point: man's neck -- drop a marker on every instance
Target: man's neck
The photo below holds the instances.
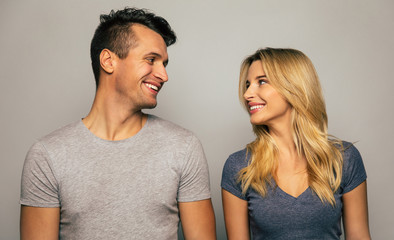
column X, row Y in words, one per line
column 110, row 120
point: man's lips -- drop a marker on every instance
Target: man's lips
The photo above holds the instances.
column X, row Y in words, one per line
column 255, row 107
column 153, row 86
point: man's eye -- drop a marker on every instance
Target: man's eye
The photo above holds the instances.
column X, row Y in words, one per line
column 151, row 60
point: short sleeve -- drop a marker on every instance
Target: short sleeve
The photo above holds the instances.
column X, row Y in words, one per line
column 353, row 168
column 233, row 165
column 194, row 180
column 39, row 187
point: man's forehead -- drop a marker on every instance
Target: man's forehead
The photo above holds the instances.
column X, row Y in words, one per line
column 149, row 40
column 142, row 32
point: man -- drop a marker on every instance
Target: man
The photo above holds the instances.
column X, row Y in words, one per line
column 119, row 173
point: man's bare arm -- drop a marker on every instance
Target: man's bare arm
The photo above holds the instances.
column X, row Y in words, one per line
column 198, row 220
column 39, row 223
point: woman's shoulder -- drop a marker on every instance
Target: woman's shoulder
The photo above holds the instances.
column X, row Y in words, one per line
column 239, row 154
column 353, row 167
column 234, row 163
column 350, row 153
column 237, row 160
column 349, row 150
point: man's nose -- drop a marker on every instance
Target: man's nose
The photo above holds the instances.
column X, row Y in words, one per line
column 161, row 72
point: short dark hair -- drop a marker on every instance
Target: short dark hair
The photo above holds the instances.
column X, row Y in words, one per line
column 114, row 33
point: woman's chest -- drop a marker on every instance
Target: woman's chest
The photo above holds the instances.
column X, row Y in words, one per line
column 279, row 211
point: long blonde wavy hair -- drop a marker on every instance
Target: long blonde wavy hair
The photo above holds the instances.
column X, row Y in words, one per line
column 293, row 75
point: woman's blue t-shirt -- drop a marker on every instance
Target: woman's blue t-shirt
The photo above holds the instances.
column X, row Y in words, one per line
column 279, row 215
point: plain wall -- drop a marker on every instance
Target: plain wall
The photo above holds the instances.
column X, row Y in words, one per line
column 47, row 82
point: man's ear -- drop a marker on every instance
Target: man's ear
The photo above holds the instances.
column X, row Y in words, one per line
column 107, row 61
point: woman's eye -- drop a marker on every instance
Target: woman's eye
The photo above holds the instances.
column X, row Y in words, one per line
column 262, row 82
column 247, row 84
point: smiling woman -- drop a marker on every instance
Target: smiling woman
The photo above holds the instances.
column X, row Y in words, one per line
column 266, row 105
column 293, row 181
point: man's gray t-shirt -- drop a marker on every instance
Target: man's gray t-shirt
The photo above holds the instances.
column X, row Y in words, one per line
column 127, row 189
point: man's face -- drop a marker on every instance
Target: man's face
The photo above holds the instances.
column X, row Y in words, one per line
column 140, row 76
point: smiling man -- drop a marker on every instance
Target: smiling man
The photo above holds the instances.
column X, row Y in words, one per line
column 119, row 173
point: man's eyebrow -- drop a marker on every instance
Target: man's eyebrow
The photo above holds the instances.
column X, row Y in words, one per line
column 154, row 53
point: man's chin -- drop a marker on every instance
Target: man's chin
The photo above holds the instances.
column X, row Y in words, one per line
column 150, row 106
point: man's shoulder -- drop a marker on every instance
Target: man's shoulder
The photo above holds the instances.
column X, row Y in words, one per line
column 57, row 142
column 61, row 134
column 163, row 131
column 167, row 128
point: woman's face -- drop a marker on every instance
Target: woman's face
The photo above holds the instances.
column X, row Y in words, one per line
column 266, row 105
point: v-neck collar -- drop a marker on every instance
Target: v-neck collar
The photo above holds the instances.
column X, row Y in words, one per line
column 288, row 196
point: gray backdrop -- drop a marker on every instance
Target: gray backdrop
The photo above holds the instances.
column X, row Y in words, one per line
column 47, row 82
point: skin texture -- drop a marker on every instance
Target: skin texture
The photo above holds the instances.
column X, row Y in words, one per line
column 235, row 216
column 124, row 90
column 355, row 213
column 39, row 223
column 198, row 220
column 291, row 175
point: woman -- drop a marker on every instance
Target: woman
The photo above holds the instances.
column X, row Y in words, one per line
column 293, row 181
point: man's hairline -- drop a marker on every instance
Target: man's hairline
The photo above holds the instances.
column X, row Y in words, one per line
column 134, row 38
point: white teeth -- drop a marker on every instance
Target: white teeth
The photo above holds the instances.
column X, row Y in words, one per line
column 152, row 86
column 256, row 107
